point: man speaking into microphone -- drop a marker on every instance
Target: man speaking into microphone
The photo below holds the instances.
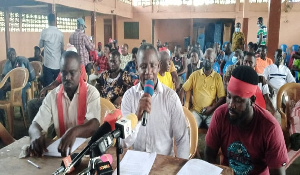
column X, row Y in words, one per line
column 163, row 111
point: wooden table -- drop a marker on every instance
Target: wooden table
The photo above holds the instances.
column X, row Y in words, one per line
column 11, row 164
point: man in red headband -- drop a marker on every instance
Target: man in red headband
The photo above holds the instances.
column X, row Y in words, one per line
column 250, row 138
column 71, row 117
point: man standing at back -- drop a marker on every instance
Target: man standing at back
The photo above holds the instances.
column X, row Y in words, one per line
column 52, row 40
column 83, row 45
column 261, row 33
column 238, row 38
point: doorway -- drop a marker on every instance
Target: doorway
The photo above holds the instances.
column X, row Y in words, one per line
column 107, row 30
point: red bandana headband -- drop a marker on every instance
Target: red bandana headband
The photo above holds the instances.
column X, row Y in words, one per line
column 81, row 109
column 241, row 88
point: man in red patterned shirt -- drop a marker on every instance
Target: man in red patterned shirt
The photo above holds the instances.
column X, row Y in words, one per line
column 83, row 45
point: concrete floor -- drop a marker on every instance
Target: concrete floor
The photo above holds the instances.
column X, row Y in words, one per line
column 21, row 131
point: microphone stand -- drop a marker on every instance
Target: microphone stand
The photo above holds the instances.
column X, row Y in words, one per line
column 119, row 150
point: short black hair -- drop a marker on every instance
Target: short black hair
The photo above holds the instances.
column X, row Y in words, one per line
column 125, row 45
column 116, row 53
column 147, row 46
column 246, row 74
column 178, row 46
column 263, row 47
column 108, row 46
column 240, row 53
column 249, row 54
column 51, row 17
column 134, row 50
column 279, row 51
column 260, row 18
column 37, row 48
column 194, row 50
column 71, row 54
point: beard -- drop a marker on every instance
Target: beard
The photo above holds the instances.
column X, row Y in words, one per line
column 207, row 65
column 239, row 118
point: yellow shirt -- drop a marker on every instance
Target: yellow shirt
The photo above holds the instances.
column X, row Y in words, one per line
column 172, row 67
column 205, row 88
column 166, row 80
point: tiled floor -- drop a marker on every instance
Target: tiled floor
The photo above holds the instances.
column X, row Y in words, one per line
column 20, row 131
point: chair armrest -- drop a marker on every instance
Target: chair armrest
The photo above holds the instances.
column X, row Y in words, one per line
column 187, row 99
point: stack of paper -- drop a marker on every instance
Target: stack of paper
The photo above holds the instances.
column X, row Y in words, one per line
column 136, row 163
column 197, row 166
column 53, row 151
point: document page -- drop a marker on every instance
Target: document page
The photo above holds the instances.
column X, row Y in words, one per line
column 136, row 163
column 52, row 148
column 197, row 166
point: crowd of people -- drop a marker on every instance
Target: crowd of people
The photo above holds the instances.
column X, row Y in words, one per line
column 230, row 90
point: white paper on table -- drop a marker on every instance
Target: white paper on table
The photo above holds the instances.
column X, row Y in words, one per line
column 197, row 166
column 136, row 163
column 53, row 151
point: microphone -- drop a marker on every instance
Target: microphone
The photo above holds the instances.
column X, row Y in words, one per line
column 66, row 162
column 149, row 88
column 105, row 158
column 124, row 128
column 108, row 125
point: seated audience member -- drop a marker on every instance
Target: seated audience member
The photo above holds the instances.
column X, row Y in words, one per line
column 14, row 61
column 37, row 55
column 164, row 66
column 207, row 87
column 180, row 64
column 71, row 117
column 131, row 66
column 262, row 61
column 236, row 60
column 34, row 104
column 166, row 120
column 252, row 47
column 219, row 53
column 101, row 64
column 198, row 47
column 100, row 52
column 262, row 93
column 125, row 56
column 188, row 54
column 227, row 57
column 195, row 63
column 250, row 138
column 113, row 83
column 278, row 74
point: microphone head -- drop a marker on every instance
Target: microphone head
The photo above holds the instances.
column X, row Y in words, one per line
column 112, row 117
column 149, row 87
column 133, row 118
column 106, row 158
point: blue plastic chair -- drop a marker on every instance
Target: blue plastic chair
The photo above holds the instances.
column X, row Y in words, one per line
column 228, row 63
column 216, row 67
column 295, row 48
column 296, row 77
column 284, row 47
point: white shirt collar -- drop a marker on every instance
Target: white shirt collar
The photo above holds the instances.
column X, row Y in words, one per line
column 158, row 89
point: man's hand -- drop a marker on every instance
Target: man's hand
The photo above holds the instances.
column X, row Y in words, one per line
column 67, row 141
column 38, row 146
column 208, row 110
column 117, row 102
column 43, row 92
column 144, row 105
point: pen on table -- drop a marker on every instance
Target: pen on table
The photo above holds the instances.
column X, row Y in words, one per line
column 33, row 164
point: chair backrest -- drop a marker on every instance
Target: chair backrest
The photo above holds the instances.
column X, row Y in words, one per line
column 287, row 94
column 216, row 67
column 295, row 48
column 38, row 67
column 2, row 63
column 18, row 80
column 193, row 131
column 283, row 47
column 5, row 136
column 106, row 105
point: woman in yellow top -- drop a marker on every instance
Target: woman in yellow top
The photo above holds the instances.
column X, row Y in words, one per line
column 164, row 76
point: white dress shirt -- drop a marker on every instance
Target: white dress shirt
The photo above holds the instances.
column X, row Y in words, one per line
column 48, row 113
column 52, row 40
column 165, row 122
column 278, row 76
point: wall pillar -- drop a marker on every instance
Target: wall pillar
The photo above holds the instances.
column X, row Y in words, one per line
column 273, row 27
column 7, row 32
column 245, row 31
column 94, row 26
